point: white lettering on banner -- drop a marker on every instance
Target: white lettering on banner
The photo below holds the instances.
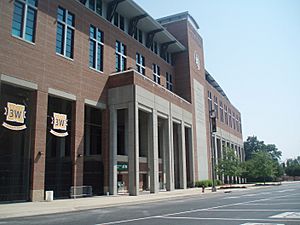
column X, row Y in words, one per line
column 15, row 113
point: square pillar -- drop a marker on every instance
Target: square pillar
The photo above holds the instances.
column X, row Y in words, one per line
column 168, row 135
column 113, row 126
column 133, row 149
column 153, row 150
column 182, row 157
column 39, row 152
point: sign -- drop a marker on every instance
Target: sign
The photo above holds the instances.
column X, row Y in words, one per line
column 14, row 113
column 197, row 60
column 122, row 167
column 60, row 123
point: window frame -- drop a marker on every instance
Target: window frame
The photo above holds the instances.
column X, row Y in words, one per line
column 122, row 56
column 169, row 81
column 97, row 44
column 65, row 32
column 156, row 73
column 26, row 6
column 140, row 63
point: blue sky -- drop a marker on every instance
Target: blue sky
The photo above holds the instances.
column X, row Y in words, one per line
column 252, row 48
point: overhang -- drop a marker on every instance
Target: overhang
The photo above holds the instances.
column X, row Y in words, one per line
column 130, row 9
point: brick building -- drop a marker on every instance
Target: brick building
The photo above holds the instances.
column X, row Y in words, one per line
column 98, row 93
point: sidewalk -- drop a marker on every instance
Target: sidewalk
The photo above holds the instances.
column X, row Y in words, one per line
column 12, row 210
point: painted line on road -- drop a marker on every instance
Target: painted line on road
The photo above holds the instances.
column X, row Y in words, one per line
column 227, row 219
column 286, row 190
column 281, row 203
column 289, row 215
column 250, row 210
column 189, row 211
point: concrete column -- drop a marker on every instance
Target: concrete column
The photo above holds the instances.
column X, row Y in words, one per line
column 222, row 153
column 133, row 149
column 169, row 156
column 182, row 157
column 216, row 156
column 39, row 154
column 113, row 190
column 153, row 139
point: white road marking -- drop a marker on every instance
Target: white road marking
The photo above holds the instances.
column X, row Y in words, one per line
column 249, row 210
column 262, row 224
column 286, row 190
column 289, row 215
column 249, row 195
column 281, row 203
column 232, row 197
column 224, row 219
column 195, row 210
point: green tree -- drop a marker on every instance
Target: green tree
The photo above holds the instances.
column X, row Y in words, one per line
column 261, row 165
column 229, row 165
column 251, row 146
column 293, row 167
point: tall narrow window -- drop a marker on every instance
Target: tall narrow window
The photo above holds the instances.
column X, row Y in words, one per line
column 120, row 56
column 233, row 119
column 65, row 32
column 209, row 100
column 169, row 81
column 119, row 21
column 138, row 35
column 229, row 118
column 216, row 106
column 221, row 112
column 156, row 73
column 154, row 47
column 24, row 19
column 96, row 48
column 226, row 115
column 140, row 63
column 95, row 5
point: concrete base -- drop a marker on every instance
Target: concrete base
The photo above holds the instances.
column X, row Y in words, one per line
column 37, row 195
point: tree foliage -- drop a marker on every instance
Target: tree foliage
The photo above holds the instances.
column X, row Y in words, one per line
column 261, row 165
column 293, row 167
column 253, row 145
column 229, row 165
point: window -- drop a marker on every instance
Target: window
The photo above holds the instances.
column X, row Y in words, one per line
column 65, row 32
column 140, row 63
column 119, row 21
column 216, row 106
column 226, row 115
column 169, row 81
column 138, row 35
column 233, row 119
column 229, row 115
column 221, row 112
column 154, row 47
column 96, row 48
column 120, row 56
column 24, row 19
column 209, row 101
column 237, row 123
column 156, row 73
column 168, row 58
column 92, row 131
column 95, row 5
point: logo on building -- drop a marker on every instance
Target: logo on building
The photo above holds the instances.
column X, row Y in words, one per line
column 197, row 60
column 15, row 114
column 59, row 123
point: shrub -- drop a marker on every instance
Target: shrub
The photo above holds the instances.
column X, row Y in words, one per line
column 207, row 183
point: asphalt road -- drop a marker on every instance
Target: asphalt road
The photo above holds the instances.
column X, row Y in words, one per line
column 275, row 205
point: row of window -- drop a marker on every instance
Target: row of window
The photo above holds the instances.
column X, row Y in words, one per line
column 119, row 21
column 24, row 20
column 224, row 113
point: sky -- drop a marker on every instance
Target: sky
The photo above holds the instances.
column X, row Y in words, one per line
column 252, row 49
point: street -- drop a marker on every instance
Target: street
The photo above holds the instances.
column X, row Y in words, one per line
column 268, row 205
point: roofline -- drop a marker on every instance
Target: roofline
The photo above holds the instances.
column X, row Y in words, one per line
column 209, row 78
column 177, row 17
